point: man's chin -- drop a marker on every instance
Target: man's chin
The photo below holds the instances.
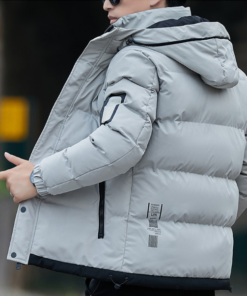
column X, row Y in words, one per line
column 113, row 21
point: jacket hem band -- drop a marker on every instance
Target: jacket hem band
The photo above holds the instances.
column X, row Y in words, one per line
column 178, row 283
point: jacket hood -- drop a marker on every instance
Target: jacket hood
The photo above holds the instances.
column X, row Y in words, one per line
column 202, row 46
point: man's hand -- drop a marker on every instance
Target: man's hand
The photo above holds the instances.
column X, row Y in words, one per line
column 18, row 179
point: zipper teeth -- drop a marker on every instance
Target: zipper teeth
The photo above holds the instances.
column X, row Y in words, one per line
column 101, row 209
column 101, row 199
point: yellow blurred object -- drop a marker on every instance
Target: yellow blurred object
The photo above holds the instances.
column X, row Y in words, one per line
column 14, row 119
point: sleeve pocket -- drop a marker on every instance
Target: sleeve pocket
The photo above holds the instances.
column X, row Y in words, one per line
column 110, row 107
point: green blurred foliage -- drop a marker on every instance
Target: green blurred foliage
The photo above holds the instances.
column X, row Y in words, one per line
column 3, row 188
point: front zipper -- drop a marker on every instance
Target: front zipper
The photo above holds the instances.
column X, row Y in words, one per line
column 101, row 209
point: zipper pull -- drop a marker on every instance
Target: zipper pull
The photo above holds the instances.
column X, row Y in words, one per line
column 118, row 286
column 130, row 40
column 18, row 266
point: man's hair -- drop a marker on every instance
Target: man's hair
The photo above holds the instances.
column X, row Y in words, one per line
column 171, row 3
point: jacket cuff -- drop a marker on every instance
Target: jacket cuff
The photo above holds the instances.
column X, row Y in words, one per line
column 38, row 181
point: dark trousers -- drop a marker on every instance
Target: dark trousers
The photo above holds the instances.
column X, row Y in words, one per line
column 101, row 288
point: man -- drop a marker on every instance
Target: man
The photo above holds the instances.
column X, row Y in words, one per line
column 140, row 171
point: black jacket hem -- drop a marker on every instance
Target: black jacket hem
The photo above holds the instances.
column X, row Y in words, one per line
column 178, row 283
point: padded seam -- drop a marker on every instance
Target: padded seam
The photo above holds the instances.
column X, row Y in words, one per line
column 183, row 222
column 233, row 180
column 238, row 128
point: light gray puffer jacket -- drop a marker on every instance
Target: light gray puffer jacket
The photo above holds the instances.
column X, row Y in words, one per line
column 141, row 167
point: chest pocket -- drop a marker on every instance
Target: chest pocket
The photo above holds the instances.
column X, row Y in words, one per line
column 110, row 107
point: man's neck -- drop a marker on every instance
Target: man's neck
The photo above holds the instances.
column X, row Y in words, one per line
column 161, row 4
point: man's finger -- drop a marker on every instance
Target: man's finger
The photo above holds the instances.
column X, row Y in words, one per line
column 16, row 200
column 7, row 186
column 14, row 159
column 3, row 175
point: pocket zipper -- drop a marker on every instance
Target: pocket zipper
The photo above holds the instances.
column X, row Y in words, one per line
column 101, row 231
column 101, row 209
column 101, row 199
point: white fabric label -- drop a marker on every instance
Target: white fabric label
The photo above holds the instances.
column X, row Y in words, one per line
column 109, row 108
column 154, row 230
column 153, row 214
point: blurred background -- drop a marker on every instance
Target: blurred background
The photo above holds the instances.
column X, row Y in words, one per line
column 39, row 44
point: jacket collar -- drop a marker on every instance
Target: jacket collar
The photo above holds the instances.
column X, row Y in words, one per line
column 144, row 19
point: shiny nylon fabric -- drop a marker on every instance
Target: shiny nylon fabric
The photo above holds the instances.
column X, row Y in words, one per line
column 177, row 140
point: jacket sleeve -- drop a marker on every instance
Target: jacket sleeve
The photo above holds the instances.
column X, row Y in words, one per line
column 130, row 100
column 242, row 185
